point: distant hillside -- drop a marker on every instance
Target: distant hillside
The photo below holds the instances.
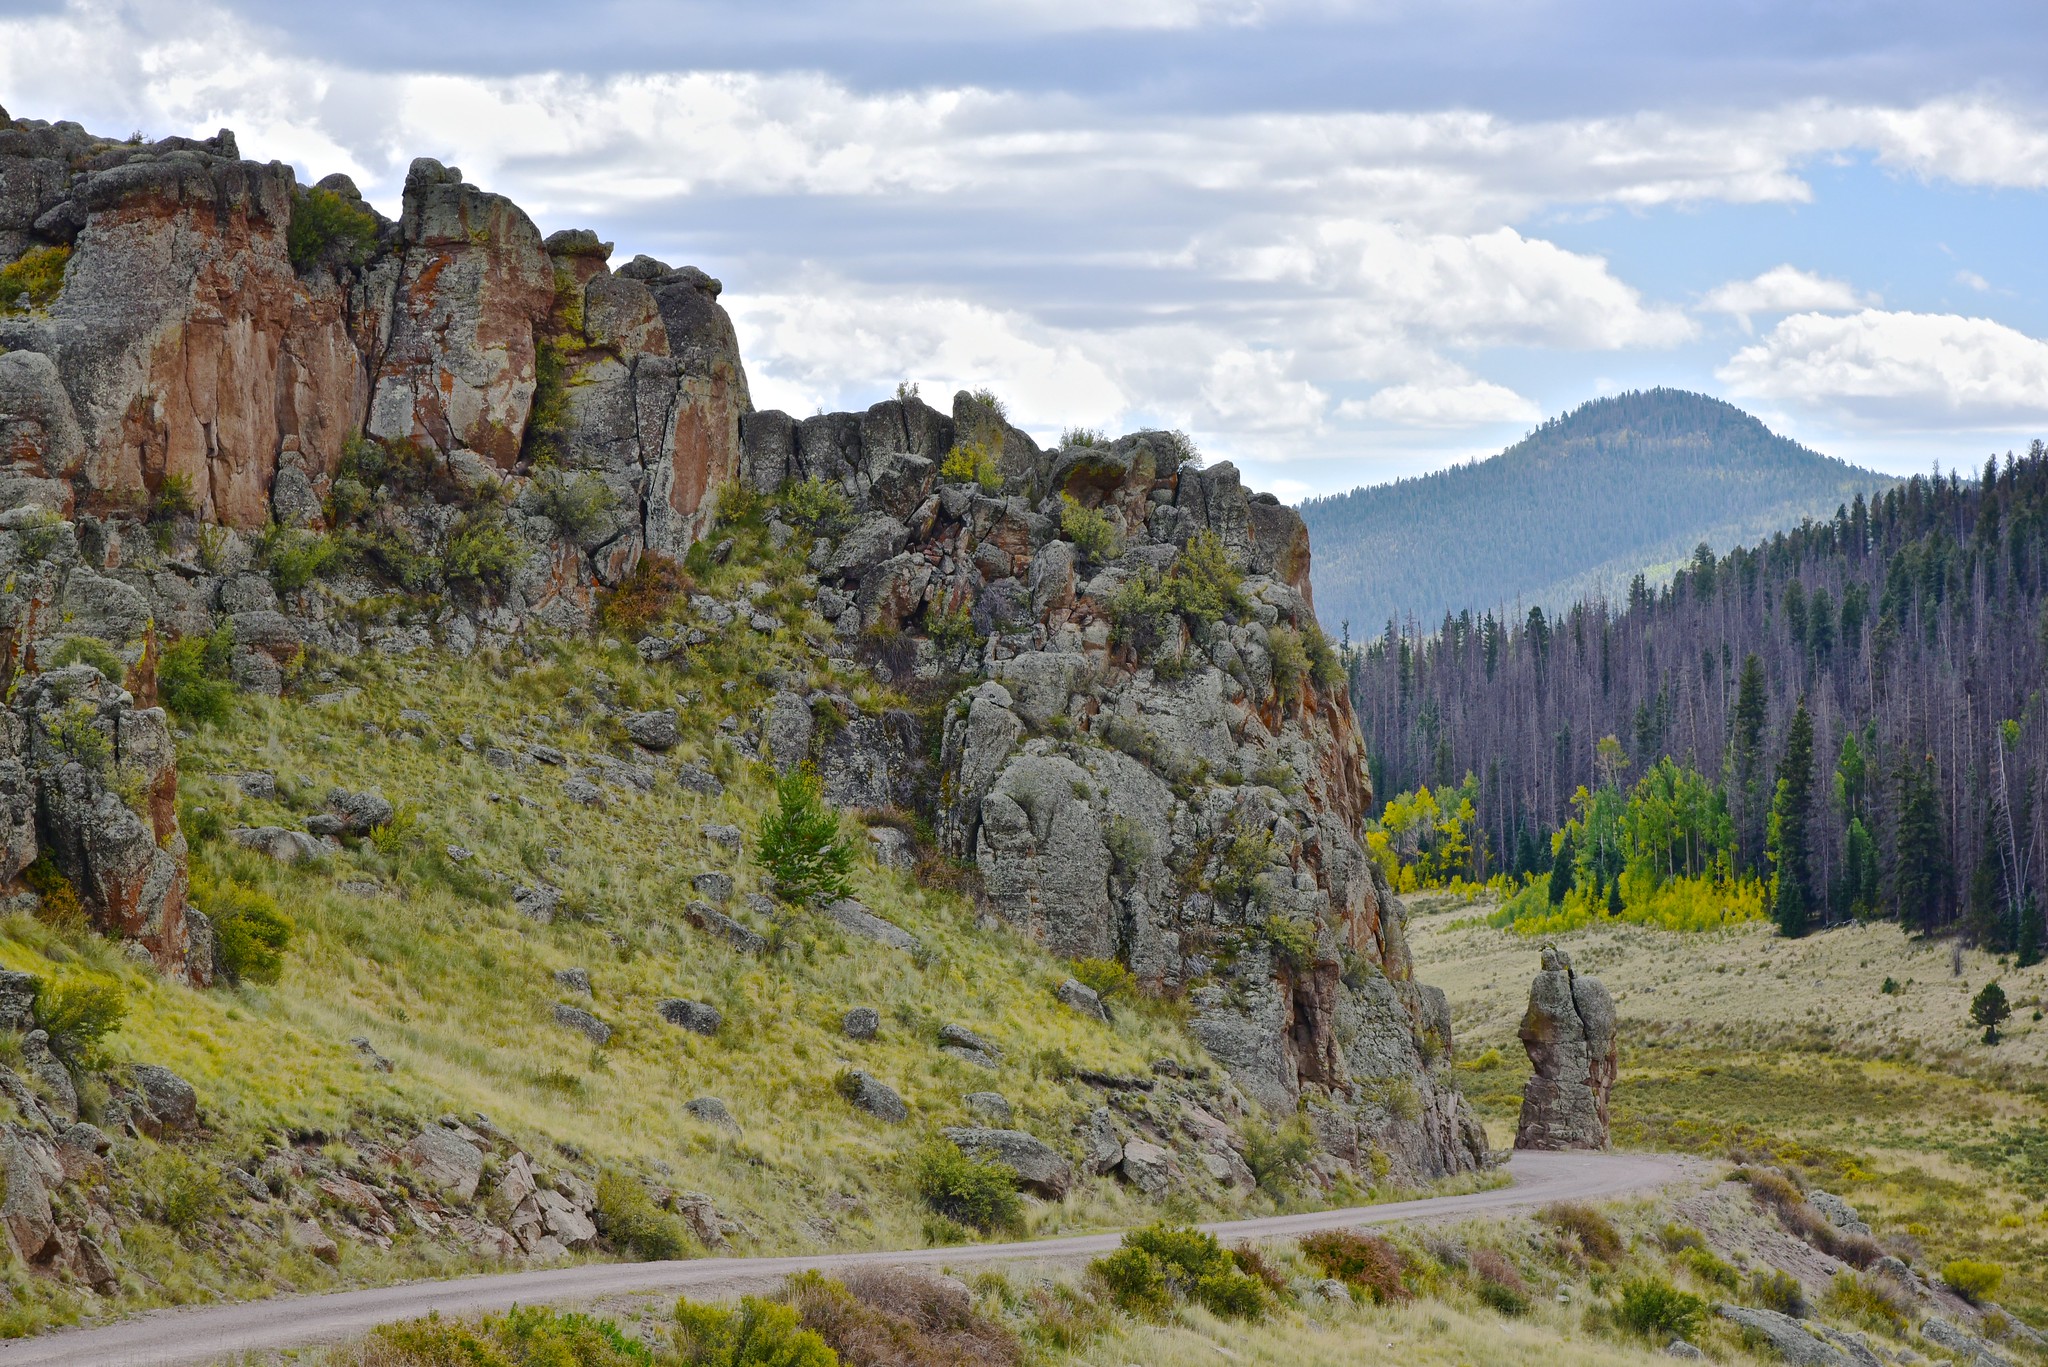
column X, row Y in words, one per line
column 1614, row 487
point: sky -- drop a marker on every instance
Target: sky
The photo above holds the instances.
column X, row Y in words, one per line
column 1335, row 241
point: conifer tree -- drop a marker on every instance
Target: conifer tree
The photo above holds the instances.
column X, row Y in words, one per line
column 801, row 847
column 1920, row 873
column 1561, row 871
column 1791, row 815
column 1746, row 750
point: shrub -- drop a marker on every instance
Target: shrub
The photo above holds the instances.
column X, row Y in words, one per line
column 580, row 505
column 38, row 273
column 1779, row 1291
column 643, row 597
column 1109, row 979
column 818, row 506
column 1325, row 665
column 173, row 499
column 1090, row 529
column 1253, row 1262
column 528, row 1336
column 75, row 732
column 329, row 229
column 192, row 677
column 1656, row 1309
column 629, row 1219
column 801, row 847
column 250, row 930
column 898, row 1317
column 56, row 899
column 295, row 557
column 1290, row 661
column 1595, row 1233
column 1702, row 1263
column 181, row 1191
column 90, row 650
column 1365, row 1262
column 973, row 1191
column 79, row 1012
column 1676, row 1238
column 1188, row 1262
column 1181, row 448
column 1205, row 583
column 1870, row 1301
column 1973, row 1280
column 1502, row 1300
column 760, row 1333
column 481, row 549
column 972, row 462
column 1134, row 1280
column 1491, row 1266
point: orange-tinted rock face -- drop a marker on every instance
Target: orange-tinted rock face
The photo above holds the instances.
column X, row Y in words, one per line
column 475, row 284
column 189, row 347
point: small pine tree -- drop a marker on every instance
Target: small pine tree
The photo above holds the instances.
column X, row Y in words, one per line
column 1990, row 1010
column 800, row 846
column 1561, row 871
column 1791, row 813
column 1614, row 898
column 1920, row 869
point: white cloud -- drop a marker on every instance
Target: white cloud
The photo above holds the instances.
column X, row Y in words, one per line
column 1783, row 289
column 1252, row 391
column 1972, row 280
column 834, row 344
column 1483, row 289
column 1874, row 367
column 1470, row 403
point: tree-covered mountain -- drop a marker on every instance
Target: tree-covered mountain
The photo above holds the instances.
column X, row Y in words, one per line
column 1617, row 486
column 1863, row 697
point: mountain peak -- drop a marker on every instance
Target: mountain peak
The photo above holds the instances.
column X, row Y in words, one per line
column 1619, row 485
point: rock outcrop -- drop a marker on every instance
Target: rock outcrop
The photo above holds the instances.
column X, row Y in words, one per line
column 1569, row 1033
column 1145, row 746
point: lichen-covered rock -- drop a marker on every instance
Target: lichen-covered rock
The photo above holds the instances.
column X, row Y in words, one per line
column 700, row 1018
column 866, row 1092
column 1569, row 1033
column 445, row 1161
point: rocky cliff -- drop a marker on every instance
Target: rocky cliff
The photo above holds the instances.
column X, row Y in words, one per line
column 240, row 409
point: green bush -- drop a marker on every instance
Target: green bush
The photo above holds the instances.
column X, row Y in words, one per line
column 1090, row 529
column 1325, row 665
column 250, row 930
column 973, row 1191
column 1975, row 1281
column 79, row 1012
column 800, row 846
column 1702, row 1263
column 75, row 732
column 38, row 273
column 1161, row 1260
column 1869, row 1301
column 580, row 505
column 1290, row 661
column 1779, row 1291
column 1109, row 979
column 90, row 650
column 329, row 229
column 1365, row 1262
column 1504, row 1300
column 526, row 1336
column 295, row 557
column 1597, row 1236
column 481, row 549
column 644, row 597
column 760, row 1333
column 1081, row 436
column 972, row 462
column 1657, row 1310
column 181, row 1191
column 629, row 1219
column 192, row 677
column 818, row 506
column 1135, row 1281
column 1277, row 1154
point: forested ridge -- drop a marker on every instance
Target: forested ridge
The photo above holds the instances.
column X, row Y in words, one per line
column 1585, row 501
column 1864, row 696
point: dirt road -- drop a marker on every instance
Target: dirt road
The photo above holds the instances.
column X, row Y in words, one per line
column 190, row 1338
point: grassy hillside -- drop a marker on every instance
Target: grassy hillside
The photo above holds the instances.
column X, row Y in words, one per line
column 412, row 941
column 1615, row 487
